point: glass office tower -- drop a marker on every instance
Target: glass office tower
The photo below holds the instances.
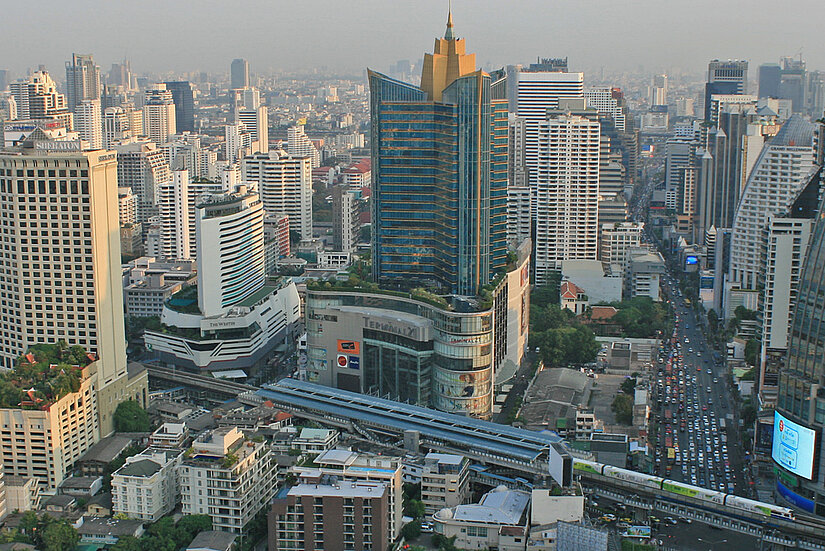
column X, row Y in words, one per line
column 439, row 175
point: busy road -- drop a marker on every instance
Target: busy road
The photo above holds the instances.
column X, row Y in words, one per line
column 697, row 439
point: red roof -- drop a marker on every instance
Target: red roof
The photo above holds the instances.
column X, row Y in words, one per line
column 570, row 290
column 602, row 312
column 282, row 416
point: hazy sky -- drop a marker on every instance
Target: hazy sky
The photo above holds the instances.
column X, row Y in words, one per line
column 188, row 35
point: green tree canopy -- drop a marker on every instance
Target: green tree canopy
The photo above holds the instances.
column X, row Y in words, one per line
column 131, row 417
column 622, row 406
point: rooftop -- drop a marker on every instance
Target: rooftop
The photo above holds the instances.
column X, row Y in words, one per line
column 498, row 506
column 109, row 527
column 45, row 374
column 212, row 540
column 341, row 489
column 107, row 449
column 141, row 468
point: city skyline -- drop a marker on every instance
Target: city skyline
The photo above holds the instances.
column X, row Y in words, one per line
column 594, row 35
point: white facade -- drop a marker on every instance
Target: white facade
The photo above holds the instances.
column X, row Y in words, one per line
column 536, row 92
column 518, row 215
column 228, row 478
column 299, row 145
column 787, row 242
column 230, row 251
column 618, row 239
column 782, row 169
column 566, row 191
column 284, row 183
column 238, row 142
column 174, row 217
column 601, row 98
column 256, row 121
column 146, row 486
column 117, row 127
column 142, row 166
column 444, row 481
column 88, row 122
column 126, row 206
column 159, row 115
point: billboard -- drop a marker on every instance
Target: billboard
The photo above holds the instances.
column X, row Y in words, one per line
column 349, row 347
column 793, row 446
column 637, row 532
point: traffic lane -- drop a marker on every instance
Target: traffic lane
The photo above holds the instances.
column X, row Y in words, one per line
column 701, row 537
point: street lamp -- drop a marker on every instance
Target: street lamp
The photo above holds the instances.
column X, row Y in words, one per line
column 711, row 543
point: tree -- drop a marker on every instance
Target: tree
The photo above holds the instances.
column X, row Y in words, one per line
column 59, row 536
column 131, row 417
column 752, row 348
column 127, row 543
column 622, row 406
column 411, row 530
column 193, row 524
column 629, row 386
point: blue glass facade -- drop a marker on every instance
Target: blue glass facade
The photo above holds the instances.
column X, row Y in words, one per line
column 439, row 183
column 802, row 382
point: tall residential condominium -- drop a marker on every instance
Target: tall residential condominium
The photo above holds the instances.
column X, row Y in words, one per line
column 178, row 204
column 298, row 144
column 800, row 407
column 256, row 122
column 116, row 127
column 82, row 80
column 725, row 77
column 69, row 266
column 567, row 188
column 284, row 183
column 159, row 114
column 345, row 213
column 778, row 175
column 88, row 122
column 439, row 174
column 184, row 100
column 142, row 167
column 36, row 97
column 608, row 102
column 239, row 74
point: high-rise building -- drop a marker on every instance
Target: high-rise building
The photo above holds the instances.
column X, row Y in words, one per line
column 284, row 183
column 617, row 240
column 159, row 114
column 82, row 80
column 604, row 100
column 184, row 100
column 146, row 487
column 116, row 127
column 345, row 223
column 793, row 82
column 75, row 278
column 174, row 217
column 778, row 175
column 239, row 73
column 256, row 122
column 770, row 74
column 142, row 166
column 658, row 90
column 800, row 407
column 567, row 188
column 237, row 142
column 535, row 93
column 298, row 144
column 439, row 174
column 36, row 97
column 725, row 77
column 88, row 122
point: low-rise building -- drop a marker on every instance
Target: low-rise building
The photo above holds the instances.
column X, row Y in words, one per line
column 146, row 297
column 108, row 531
column 444, row 481
column 146, row 487
column 22, row 493
column 81, row 486
column 498, row 521
column 169, row 435
column 321, row 513
column 315, row 440
column 94, row 461
column 645, row 269
column 228, row 478
column 573, row 297
column 212, row 540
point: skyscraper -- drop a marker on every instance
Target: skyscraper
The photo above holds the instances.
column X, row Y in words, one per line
column 284, row 183
column 142, row 167
column 88, row 122
column 800, row 408
column 159, row 114
column 725, row 77
column 298, row 144
column 82, row 80
column 567, row 188
column 769, row 77
column 239, row 73
column 74, row 276
column 184, row 100
column 439, row 174
column 36, row 97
